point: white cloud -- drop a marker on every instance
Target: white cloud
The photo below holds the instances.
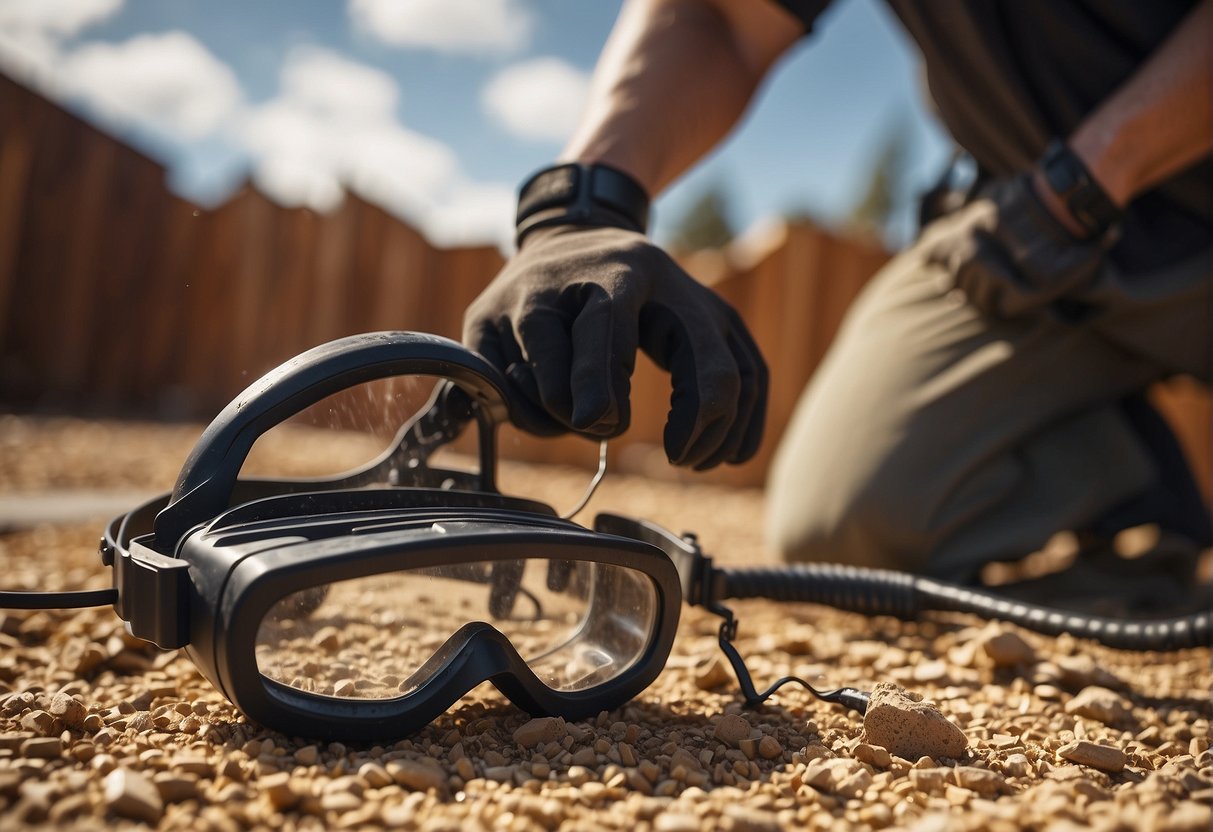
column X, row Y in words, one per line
column 460, row 26
column 328, row 84
column 32, row 34
column 55, row 17
column 333, row 125
column 474, row 213
column 168, row 82
column 537, row 99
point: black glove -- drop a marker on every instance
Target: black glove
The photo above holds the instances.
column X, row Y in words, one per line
column 565, row 316
column 1010, row 255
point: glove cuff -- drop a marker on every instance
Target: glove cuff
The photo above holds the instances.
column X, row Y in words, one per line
column 580, row 194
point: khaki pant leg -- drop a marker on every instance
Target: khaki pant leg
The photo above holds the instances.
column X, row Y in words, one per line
column 935, row 440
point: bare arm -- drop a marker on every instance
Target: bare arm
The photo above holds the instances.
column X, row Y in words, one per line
column 1159, row 122
column 674, row 78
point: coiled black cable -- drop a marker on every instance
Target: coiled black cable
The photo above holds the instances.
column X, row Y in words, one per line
column 884, row 592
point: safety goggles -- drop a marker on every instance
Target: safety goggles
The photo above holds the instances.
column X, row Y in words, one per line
column 330, row 608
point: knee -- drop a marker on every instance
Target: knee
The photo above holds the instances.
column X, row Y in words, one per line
column 830, row 518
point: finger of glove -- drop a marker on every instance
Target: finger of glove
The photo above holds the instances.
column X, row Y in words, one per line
column 950, row 241
column 1007, row 292
column 497, row 345
column 604, row 343
column 543, row 337
column 745, row 434
column 706, row 383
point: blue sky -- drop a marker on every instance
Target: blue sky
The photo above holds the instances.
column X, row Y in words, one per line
column 438, row 108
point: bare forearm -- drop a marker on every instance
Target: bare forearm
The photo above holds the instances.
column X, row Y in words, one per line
column 1161, row 120
column 674, row 78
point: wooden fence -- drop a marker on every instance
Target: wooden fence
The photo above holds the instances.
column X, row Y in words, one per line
column 118, row 297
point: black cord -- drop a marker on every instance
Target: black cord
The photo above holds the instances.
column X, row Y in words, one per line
column 884, row 592
column 58, row 600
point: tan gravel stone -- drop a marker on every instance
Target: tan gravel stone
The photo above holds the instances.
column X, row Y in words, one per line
column 174, row 788
column 983, row 781
column 41, row 723
column 1102, row 757
column 327, row 638
column 579, row 775
column 932, row 671
column 627, row 754
column 909, row 728
column 826, row 774
column 375, row 775
column 854, row 784
column 417, row 775
column 192, row 765
column 1096, row 702
column 279, row 790
column 1190, row 816
column 769, row 748
column 140, row 722
column 873, row 755
column 12, row 740
column 500, row 774
column 309, row 755
column 1006, row 648
column 676, row 822
column 585, row 757
column 1080, row 671
column 68, row 710
column 46, row 748
column 10, row 782
column 1017, row 765
column 929, row 779
column 744, row 819
column 540, row 731
column 340, row 802
column 131, row 795
column 712, row 674
column 732, row 728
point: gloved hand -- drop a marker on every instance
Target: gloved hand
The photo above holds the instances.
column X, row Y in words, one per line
column 565, row 316
column 1010, row 255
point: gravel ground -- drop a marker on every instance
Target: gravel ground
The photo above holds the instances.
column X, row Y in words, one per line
column 100, row 730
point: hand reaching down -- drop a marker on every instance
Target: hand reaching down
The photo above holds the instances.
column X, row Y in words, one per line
column 563, row 321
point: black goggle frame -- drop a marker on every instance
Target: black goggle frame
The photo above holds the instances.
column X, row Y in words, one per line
column 199, row 568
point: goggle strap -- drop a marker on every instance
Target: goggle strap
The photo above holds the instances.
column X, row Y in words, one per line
column 856, row 700
column 77, row 599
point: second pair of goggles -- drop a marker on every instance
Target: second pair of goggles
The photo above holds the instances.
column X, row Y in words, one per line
column 363, row 607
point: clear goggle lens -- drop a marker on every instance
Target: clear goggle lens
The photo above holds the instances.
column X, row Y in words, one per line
column 576, row 624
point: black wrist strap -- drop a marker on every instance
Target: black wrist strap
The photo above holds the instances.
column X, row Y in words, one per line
column 580, row 194
column 1069, row 178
